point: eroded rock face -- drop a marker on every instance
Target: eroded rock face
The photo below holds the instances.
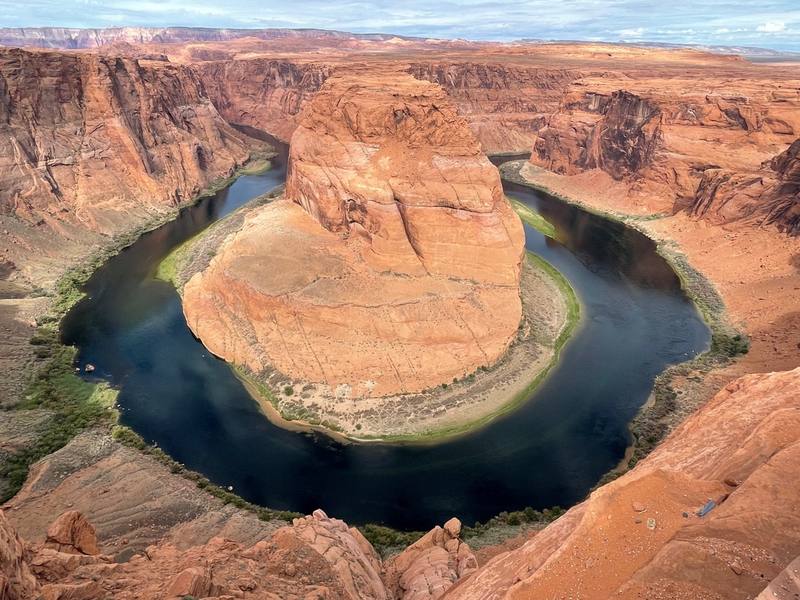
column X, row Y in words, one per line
column 770, row 195
column 641, row 537
column 431, row 565
column 392, row 266
column 622, row 141
column 73, row 534
column 16, row 580
column 263, row 93
column 93, row 146
column 314, row 558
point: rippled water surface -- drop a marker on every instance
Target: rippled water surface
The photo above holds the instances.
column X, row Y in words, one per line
column 635, row 321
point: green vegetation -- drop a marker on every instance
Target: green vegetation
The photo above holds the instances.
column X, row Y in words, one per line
column 526, row 516
column 533, row 218
column 387, row 540
column 257, row 166
column 170, row 266
column 75, row 406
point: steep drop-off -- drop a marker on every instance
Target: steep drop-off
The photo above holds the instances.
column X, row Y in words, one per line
column 392, row 265
column 638, row 537
column 93, row 146
column 673, row 141
column 641, row 536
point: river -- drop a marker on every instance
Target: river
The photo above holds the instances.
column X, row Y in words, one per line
column 635, row 321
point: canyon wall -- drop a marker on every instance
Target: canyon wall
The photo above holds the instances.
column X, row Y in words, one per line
column 768, row 196
column 93, row 145
column 392, row 266
column 264, row 93
column 505, row 105
column 678, row 142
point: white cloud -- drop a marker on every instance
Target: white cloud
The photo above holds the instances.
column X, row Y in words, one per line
column 772, row 27
column 636, row 32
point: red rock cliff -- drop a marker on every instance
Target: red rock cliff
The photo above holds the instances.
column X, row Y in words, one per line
column 394, row 264
column 92, row 146
column 770, row 195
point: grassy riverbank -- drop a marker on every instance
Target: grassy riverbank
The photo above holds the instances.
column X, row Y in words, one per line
column 54, row 386
column 533, row 218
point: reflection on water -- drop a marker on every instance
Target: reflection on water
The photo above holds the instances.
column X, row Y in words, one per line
column 635, row 321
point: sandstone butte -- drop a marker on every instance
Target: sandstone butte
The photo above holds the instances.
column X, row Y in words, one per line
column 708, row 142
column 393, row 263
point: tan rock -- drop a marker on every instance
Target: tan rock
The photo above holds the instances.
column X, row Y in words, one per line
column 431, row 565
column 72, row 533
column 401, row 269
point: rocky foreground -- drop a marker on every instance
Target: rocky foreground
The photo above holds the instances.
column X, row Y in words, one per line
column 391, row 266
column 714, row 512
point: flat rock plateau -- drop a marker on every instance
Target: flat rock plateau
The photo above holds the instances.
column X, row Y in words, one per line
column 697, row 150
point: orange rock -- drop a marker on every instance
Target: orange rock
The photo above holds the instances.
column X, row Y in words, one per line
column 72, row 533
column 598, row 551
column 194, row 581
column 394, row 264
column 16, row 580
column 97, row 146
column 431, row 565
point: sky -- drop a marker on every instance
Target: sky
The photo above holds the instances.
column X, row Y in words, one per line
column 764, row 23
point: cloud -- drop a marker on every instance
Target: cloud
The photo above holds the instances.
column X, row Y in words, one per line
column 772, row 27
column 631, row 33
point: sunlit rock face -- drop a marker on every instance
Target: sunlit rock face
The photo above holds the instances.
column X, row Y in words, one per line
column 393, row 263
column 94, row 146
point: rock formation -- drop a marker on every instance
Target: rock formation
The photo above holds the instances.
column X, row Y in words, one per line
column 315, row 557
column 94, row 146
column 641, row 536
column 431, row 565
column 770, row 195
column 680, row 142
column 392, row 265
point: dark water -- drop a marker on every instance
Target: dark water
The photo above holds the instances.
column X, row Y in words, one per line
column 635, row 321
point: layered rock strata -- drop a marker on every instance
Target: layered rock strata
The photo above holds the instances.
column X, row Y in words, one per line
column 768, row 196
column 393, row 263
column 93, row 146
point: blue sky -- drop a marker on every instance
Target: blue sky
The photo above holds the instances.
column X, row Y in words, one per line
column 766, row 23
